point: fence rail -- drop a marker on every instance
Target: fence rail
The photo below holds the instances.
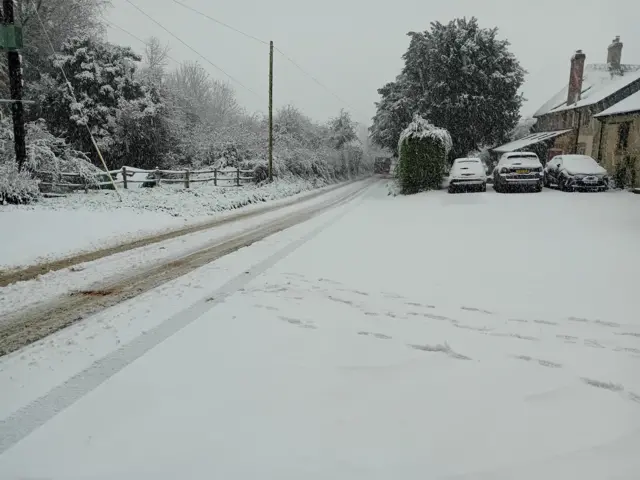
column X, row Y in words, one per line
column 236, row 177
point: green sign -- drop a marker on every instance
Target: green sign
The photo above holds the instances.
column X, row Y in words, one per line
column 10, row 37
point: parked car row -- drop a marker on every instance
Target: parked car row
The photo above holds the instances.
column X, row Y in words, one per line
column 524, row 170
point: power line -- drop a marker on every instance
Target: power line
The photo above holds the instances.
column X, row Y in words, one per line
column 144, row 42
column 288, row 58
column 313, row 78
column 191, row 48
column 219, row 22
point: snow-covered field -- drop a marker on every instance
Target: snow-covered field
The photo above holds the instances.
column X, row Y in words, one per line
column 58, row 227
column 472, row 336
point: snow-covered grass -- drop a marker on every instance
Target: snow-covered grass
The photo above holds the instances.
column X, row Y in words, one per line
column 58, row 227
column 350, row 347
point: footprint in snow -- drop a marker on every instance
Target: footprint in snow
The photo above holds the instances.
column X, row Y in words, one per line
column 446, row 349
column 614, row 387
column 628, row 349
column 545, row 322
column 474, row 309
column 541, row 362
column 516, row 335
column 593, row 343
column 416, row 304
column 380, row 336
column 475, row 329
column 297, row 322
column 568, row 338
column 578, row 319
column 607, row 324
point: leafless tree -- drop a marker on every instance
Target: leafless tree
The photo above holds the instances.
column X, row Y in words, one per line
column 155, row 56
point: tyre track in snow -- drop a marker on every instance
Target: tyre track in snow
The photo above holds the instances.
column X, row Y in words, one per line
column 21, row 328
column 35, row 414
column 7, row 277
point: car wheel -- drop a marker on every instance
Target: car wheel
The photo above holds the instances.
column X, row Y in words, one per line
column 496, row 186
column 538, row 187
column 546, row 181
column 452, row 189
column 483, row 188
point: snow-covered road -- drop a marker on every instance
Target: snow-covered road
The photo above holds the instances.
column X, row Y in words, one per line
column 477, row 336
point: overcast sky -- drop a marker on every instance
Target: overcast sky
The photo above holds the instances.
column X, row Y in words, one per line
column 355, row 46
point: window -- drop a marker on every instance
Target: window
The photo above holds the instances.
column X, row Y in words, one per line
column 623, row 136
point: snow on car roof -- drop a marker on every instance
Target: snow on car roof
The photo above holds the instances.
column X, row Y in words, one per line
column 578, row 161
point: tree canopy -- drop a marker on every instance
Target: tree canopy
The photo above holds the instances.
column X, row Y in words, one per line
column 458, row 76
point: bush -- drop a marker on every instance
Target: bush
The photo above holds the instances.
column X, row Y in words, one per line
column 16, row 187
column 423, row 151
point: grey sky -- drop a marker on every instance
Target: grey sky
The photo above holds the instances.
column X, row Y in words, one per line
column 355, row 46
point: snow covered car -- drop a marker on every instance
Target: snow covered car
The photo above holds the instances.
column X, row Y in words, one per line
column 518, row 169
column 571, row 172
column 467, row 173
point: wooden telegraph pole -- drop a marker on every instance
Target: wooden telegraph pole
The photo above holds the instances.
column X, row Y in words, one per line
column 11, row 40
column 271, row 111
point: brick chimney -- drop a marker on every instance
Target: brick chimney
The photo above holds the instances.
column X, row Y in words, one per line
column 614, row 54
column 575, row 77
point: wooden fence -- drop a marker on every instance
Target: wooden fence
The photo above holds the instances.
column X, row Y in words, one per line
column 155, row 177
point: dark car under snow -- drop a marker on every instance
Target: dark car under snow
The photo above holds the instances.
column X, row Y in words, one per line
column 575, row 172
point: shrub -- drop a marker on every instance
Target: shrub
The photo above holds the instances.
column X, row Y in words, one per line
column 16, row 187
column 423, row 150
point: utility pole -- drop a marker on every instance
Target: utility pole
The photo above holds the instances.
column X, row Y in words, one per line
column 270, row 111
column 12, row 41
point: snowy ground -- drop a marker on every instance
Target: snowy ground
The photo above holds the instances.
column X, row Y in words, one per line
column 58, row 227
column 476, row 336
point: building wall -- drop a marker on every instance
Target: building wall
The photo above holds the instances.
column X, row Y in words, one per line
column 612, row 154
column 582, row 123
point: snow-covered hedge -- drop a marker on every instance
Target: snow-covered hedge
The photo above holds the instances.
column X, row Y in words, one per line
column 45, row 153
column 423, row 150
column 16, row 187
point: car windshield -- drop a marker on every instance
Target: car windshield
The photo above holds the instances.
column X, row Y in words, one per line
column 525, row 160
column 579, row 162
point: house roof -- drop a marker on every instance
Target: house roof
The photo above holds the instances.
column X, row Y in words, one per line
column 630, row 104
column 530, row 139
column 597, row 84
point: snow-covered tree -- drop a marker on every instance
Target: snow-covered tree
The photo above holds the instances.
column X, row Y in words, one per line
column 63, row 19
column 522, row 129
column 393, row 113
column 46, row 153
column 423, row 150
column 155, row 61
column 342, row 130
column 102, row 76
column 459, row 76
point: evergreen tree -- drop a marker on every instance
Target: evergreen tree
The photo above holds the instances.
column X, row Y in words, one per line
column 106, row 91
column 458, row 76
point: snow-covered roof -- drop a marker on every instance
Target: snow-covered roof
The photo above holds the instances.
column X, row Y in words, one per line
column 530, row 139
column 597, row 84
column 628, row 105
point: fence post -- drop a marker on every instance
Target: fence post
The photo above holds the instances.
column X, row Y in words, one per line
column 238, row 176
column 124, row 177
column 215, row 177
column 186, row 179
column 157, row 175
